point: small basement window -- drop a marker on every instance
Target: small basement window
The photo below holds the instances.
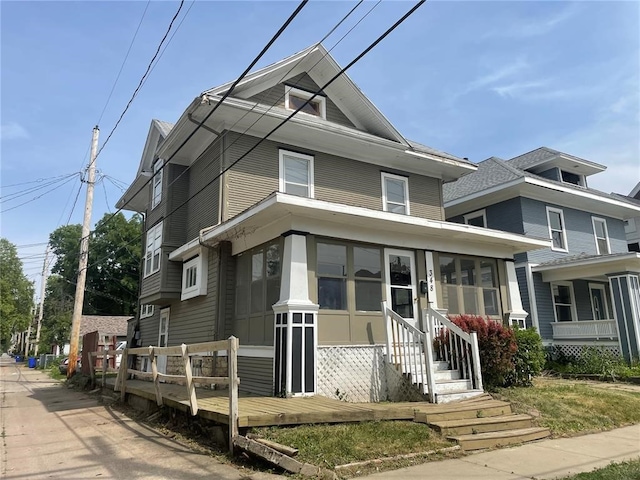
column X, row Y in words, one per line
column 295, row 98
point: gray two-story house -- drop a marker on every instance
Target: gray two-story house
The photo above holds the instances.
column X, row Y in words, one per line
column 584, row 288
column 291, row 242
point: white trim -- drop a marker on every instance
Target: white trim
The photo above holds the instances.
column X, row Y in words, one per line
column 601, row 287
column 432, row 293
column 414, row 296
column 156, row 183
column 310, row 168
column 253, row 351
column 201, row 265
column 563, row 229
column 606, row 234
column 146, row 310
column 533, row 302
column 477, row 214
column 303, row 94
column 165, row 312
column 405, row 184
column 574, row 313
column 153, row 246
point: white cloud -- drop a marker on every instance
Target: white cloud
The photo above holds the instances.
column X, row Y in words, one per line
column 12, row 131
column 493, row 76
column 527, row 28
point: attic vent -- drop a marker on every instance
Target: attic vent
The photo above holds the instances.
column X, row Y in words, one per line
column 296, row 98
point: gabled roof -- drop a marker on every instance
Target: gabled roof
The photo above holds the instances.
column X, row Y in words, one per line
column 497, row 180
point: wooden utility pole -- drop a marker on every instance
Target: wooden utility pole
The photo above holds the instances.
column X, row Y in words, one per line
column 84, row 258
column 43, row 286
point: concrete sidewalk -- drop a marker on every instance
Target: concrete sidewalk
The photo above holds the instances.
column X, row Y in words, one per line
column 546, row 459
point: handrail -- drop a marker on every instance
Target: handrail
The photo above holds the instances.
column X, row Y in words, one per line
column 455, row 346
column 409, row 350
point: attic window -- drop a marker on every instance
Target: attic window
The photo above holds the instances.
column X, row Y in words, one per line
column 296, row 98
column 573, row 178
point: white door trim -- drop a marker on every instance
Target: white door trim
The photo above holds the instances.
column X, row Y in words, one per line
column 388, row 252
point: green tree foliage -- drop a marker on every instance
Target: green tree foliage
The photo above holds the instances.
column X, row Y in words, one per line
column 112, row 276
column 16, row 294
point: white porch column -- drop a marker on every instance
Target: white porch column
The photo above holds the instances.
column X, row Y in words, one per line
column 517, row 314
column 625, row 294
column 296, row 318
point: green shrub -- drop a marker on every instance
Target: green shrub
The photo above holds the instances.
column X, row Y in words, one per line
column 593, row 361
column 497, row 345
column 529, row 358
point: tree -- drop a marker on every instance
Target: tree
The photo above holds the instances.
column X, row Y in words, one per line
column 16, row 294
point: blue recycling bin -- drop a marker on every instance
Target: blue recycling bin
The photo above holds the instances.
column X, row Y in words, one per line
column 18, row 358
column 32, row 362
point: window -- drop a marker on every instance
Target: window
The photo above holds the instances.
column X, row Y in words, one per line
column 557, row 232
column 296, row 173
column 154, row 247
column 395, row 193
column 469, row 285
column 477, row 219
column 563, row 306
column 146, row 311
column 599, row 304
column 602, row 236
column 294, row 98
column 194, row 276
column 156, row 195
column 349, row 277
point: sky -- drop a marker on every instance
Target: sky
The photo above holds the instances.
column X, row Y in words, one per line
column 475, row 79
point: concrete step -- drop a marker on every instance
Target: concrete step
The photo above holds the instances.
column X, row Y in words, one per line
column 483, row 425
column 500, row 439
column 451, row 386
column 489, row 408
column 456, row 396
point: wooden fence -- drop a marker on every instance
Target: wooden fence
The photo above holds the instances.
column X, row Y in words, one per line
column 106, row 356
column 188, row 379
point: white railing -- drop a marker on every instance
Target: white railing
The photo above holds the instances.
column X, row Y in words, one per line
column 455, row 346
column 585, row 329
column 410, row 351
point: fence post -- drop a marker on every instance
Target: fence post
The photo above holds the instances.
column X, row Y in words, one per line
column 123, row 361
column 125, row 374
column 475, row 352
column 154, row 372
column 191, row 389
column 387, row 329
column 428, row 352
column 232, row 358
column 105, row 366
column 92, row 371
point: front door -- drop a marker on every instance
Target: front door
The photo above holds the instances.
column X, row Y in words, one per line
column 161, row 360
column 401, row 284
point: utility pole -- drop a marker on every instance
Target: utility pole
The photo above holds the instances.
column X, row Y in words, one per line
column 84, row 258
column 45, row 268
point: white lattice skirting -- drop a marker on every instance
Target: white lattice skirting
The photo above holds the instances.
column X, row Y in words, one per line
column 575, row 350
column 359, row 373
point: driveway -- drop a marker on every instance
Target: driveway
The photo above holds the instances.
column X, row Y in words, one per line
column 50, row 431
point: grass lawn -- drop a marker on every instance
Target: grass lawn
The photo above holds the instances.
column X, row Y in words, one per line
column 569, row 408
column 616, row 471
column 331, row 445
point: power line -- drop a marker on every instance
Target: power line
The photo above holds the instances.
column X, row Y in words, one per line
column 29, row 245
column 39, row 180
column 27, row 191
column 36, row 197
column 75, row 202
column 277, row 127
column 144, row 76
column 124, row 61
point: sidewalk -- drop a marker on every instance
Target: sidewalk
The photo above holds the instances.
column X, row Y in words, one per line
column 546, row 459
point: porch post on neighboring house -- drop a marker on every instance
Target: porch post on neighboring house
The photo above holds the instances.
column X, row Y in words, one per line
column 517, row 314
column 296, row 319
column 625, row 293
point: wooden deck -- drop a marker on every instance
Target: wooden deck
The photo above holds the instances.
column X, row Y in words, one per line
column 256, row 411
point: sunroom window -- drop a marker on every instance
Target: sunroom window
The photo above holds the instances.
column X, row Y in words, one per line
column 563, row 305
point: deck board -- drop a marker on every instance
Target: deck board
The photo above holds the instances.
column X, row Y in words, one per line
column 257, row 411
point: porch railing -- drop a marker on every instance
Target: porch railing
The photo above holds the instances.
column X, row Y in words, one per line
column 454, row 345
column 410, row 351
column 586, row 329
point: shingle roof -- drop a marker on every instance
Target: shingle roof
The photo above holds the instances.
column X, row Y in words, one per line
column 164, row 127
column 108, row 325
column 433, row 151
column 539, row 155
column 579, row 258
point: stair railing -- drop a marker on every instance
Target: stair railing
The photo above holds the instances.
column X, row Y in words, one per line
column 454, row 345
column 409, row 350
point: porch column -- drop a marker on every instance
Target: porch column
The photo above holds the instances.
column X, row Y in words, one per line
column 517, row 314
column 296, row 336
column 625, row 293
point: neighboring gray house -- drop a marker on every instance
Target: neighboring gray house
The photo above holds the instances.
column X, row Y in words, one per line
column 632, row 225
column 292, row 243
column 584, row 289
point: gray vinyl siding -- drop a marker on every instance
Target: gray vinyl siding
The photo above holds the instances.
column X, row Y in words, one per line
column 521, row 275
column 544, row 304
column 551, row 174
column 227, row 289
column 204, row 206
column 582, row 299
column 358, row 184
column 175, row 195
column 149, row 329
column 150, row 285
column 579, row 230
column 275, row 96
column 256, row 375
column 195, row 320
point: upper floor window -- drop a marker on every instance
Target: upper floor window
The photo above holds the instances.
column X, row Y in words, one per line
column 156, row 194
column 602, row 236
column 563, row 304
column 296, row 173
column 194, row 276
column 557, row 230
column 478, row 219
column 153, row 249
column 294, row 98
column 573, row 178
column 146, row 310
column 395, row 193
